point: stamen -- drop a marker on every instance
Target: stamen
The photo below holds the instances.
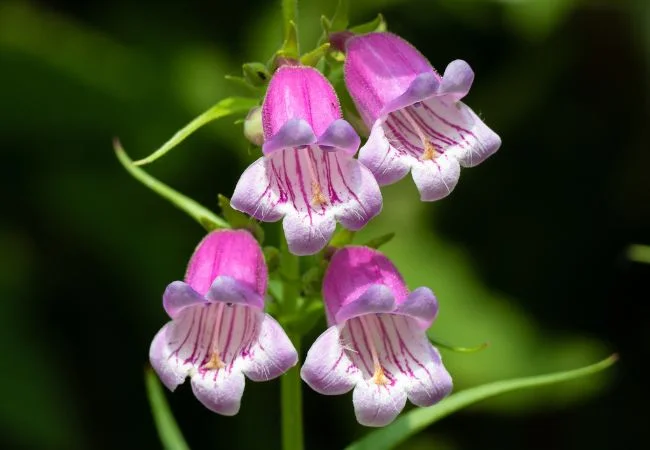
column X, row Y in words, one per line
column 317, row 196
column 215, row 361
column 378, row 377
column 429, row 150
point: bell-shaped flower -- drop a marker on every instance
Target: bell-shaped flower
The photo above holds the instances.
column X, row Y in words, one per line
column 308, row 174
column 416, row 118
column 377, row 342
column 219, row 331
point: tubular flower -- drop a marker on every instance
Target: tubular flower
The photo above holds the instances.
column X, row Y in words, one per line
column 307, row 174
column 219, row 332
column 377, row 342
column 417, row 121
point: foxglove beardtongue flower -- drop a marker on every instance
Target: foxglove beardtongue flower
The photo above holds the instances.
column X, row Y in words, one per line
column 416, row 118
column 308, row 174
column 377, row 341
column 219, row 332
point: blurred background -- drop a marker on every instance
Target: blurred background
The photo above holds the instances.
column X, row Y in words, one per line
column 528, row 253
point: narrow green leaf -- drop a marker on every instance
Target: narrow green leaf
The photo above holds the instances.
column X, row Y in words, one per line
column 418, row 419
column 313, row 57
column 242, row 82
column 326, row 25
column 224, row 108
column 454, row 348
column 201, row 214
column 639, row 253
column 289, row 18
column 290, row 48
column 168, row 431
column 340, row 19
column 377, row 24
column 380, row 240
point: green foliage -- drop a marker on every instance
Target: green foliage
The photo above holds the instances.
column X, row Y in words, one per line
column 206, row 218
column 418, row 419
column 380, row 240
column 225, row 107
column 168, row 431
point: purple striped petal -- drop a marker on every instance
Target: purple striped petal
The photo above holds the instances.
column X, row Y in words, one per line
column 435, row 179
column 294, row 133
column 229, row 290
column 271, row 354
column 386, row 357
column 423, row 86
column 422, row 305
column 377, row 405
column 457, row 80
column 178, row 296
column 233, row 253
column 328, row 368
column 416, row 119
column 384, row 160
column 311, row 188
column 379, row 68
column 431, row 138
column 215, row 344
column 299, row 92
column 378, row 298
column 340, row 135
column 352, row 271
column 220, row 392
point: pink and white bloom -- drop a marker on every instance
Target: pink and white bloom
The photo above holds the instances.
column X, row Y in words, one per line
column 219, row 331
column 376, row 343
column 416, row 118
column 308, row 174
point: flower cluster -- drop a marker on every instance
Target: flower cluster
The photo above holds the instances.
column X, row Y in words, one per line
column 308, row 176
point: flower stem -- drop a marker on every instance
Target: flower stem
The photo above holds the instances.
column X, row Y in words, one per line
column 292, row 434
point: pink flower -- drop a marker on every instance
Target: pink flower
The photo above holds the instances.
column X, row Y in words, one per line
column 308, row 175
column 377, row 342
column 219, row 331
column 417, row 121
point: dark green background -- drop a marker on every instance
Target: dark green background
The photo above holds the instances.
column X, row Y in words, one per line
column 528, row 253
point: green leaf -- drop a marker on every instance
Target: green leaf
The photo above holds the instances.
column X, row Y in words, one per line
column 224, row 108
column 168, row 431
column 313, row 57
column 457, row 349
column 201, row 214
column 289, row 19
column 377, row 24
column 639, row 253
column 242, row 82
column 340, row 19
column 237, row 219
column 380, row 240
column 290, row 48
column 418, row 419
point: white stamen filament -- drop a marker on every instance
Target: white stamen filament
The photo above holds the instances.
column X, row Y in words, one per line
column 378, row 377
column 429, row 150
column 317, row 196
column 215, row 361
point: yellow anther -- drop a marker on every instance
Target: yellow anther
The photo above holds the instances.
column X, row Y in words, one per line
column 215, row 362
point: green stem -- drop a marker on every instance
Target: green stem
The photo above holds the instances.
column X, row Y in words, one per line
column 292, row 434
column 291, row 385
